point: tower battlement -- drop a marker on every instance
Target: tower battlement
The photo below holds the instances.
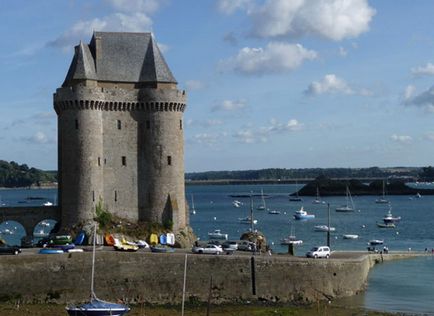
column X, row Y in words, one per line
column 120, row 133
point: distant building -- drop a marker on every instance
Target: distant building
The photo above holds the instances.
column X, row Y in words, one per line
column 120, row 133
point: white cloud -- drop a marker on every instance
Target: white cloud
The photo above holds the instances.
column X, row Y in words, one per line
column 207, row 138
column 331, row 19
column 424, row 100
column 427, row 70
column 194, row 85
column 329, row 84
column 262, row 134
column 404, row 139
column 276, row 57
column 230, row 6
column 205, row 123
column 229, row 105
column 130, row 16
column 38, row 138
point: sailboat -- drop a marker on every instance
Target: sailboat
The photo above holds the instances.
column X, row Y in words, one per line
column 96, row 306
column 291, row 239
column 262, row 207
column 295, row 198
column 349, row 206
column 317, row 198
column 382, row 200
column 193, row 210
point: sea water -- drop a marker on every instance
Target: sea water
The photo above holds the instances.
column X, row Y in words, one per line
column 402, row 286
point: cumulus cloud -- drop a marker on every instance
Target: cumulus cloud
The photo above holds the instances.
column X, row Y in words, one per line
column 427, row 70
column 329, row 84
column 424, row 100
column 331, row 19
column 230, row 6
column 194, row 85
column 131, row 16
column 229, row 105
column 403, row 139
column 205, row 123
column 262, row 134
column 276, row 57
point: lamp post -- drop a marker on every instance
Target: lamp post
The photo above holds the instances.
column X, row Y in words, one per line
column 328, row 224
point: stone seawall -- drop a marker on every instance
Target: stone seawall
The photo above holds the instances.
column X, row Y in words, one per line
column 158, row 278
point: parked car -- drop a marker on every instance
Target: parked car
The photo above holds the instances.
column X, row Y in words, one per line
column 9, row 250
column 230, row 245
column 319, row 252
column 246, row 245
column 43, row 242
column 208, row 249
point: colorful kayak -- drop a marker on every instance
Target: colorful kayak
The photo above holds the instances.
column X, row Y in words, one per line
column 153, row 239
column 50, row 251
column 109, row 240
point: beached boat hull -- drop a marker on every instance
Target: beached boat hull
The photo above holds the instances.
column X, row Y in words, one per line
column 98, row 307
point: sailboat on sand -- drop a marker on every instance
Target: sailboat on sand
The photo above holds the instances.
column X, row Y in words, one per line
column 96, row 306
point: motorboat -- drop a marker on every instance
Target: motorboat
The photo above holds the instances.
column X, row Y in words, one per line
column 324, row 228
column 302, row 214
column 217, row 234
column 237, row 203
column 350, row 236
column 349, row 206
column 374, row 242
column 48, row 203
column 247, row 220
column 388, row 218
column 96, row 306
column 386, row 225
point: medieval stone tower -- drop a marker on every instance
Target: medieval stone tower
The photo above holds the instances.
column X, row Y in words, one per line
column 120, row 133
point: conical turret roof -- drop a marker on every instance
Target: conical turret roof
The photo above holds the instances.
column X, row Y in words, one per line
column 120, row 57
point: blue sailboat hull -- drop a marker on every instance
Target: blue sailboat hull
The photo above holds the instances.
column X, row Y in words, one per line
column 97, row 307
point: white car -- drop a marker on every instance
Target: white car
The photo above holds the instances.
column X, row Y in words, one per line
column 319, row 252
column 208, row 249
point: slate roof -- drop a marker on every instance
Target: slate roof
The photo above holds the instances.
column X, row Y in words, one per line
column 120, row 57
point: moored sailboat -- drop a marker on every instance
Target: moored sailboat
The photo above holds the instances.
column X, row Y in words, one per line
column 382, row 199
column 349, row 206
column 96, row 306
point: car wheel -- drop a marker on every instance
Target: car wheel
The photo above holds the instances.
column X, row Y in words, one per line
column 327, row 256
column 200, row 252
column 15, row 252
column 315, row 256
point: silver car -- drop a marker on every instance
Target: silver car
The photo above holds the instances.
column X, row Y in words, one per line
column 319, row 252
column 208, row 249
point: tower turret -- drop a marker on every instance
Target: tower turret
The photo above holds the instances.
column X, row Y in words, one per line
column 120, row 132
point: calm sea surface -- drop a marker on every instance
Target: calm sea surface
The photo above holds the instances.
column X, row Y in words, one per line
column 401, row 286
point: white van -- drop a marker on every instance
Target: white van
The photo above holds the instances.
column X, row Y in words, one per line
column 319, row 252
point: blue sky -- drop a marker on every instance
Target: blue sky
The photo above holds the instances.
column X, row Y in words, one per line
column 270, row 83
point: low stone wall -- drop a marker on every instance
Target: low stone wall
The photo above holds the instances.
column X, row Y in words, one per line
column 158, row 278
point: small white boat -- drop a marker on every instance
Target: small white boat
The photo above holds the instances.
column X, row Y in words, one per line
column 48, row 203
column 350, row 236
column 324, row 228
column 302, row 214
column 417, row 196
column 247, row 220
column 388, row 218
column 237, row 203
column 386, row 225
column 374, row 242
column 273, row 212
column 217, row 234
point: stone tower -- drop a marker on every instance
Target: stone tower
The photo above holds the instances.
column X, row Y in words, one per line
column 120, row 133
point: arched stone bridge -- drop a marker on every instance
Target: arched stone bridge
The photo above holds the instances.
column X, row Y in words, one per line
column 29, row 217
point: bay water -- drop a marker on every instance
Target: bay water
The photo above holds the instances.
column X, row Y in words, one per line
column 400, row 286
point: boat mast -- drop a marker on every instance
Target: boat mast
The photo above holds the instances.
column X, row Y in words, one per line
column 251, row 212
column 92, row 292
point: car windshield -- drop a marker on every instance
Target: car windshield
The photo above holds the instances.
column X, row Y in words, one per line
column 314, row 249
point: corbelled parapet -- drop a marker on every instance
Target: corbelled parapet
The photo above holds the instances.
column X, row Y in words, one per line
column 120, row 119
